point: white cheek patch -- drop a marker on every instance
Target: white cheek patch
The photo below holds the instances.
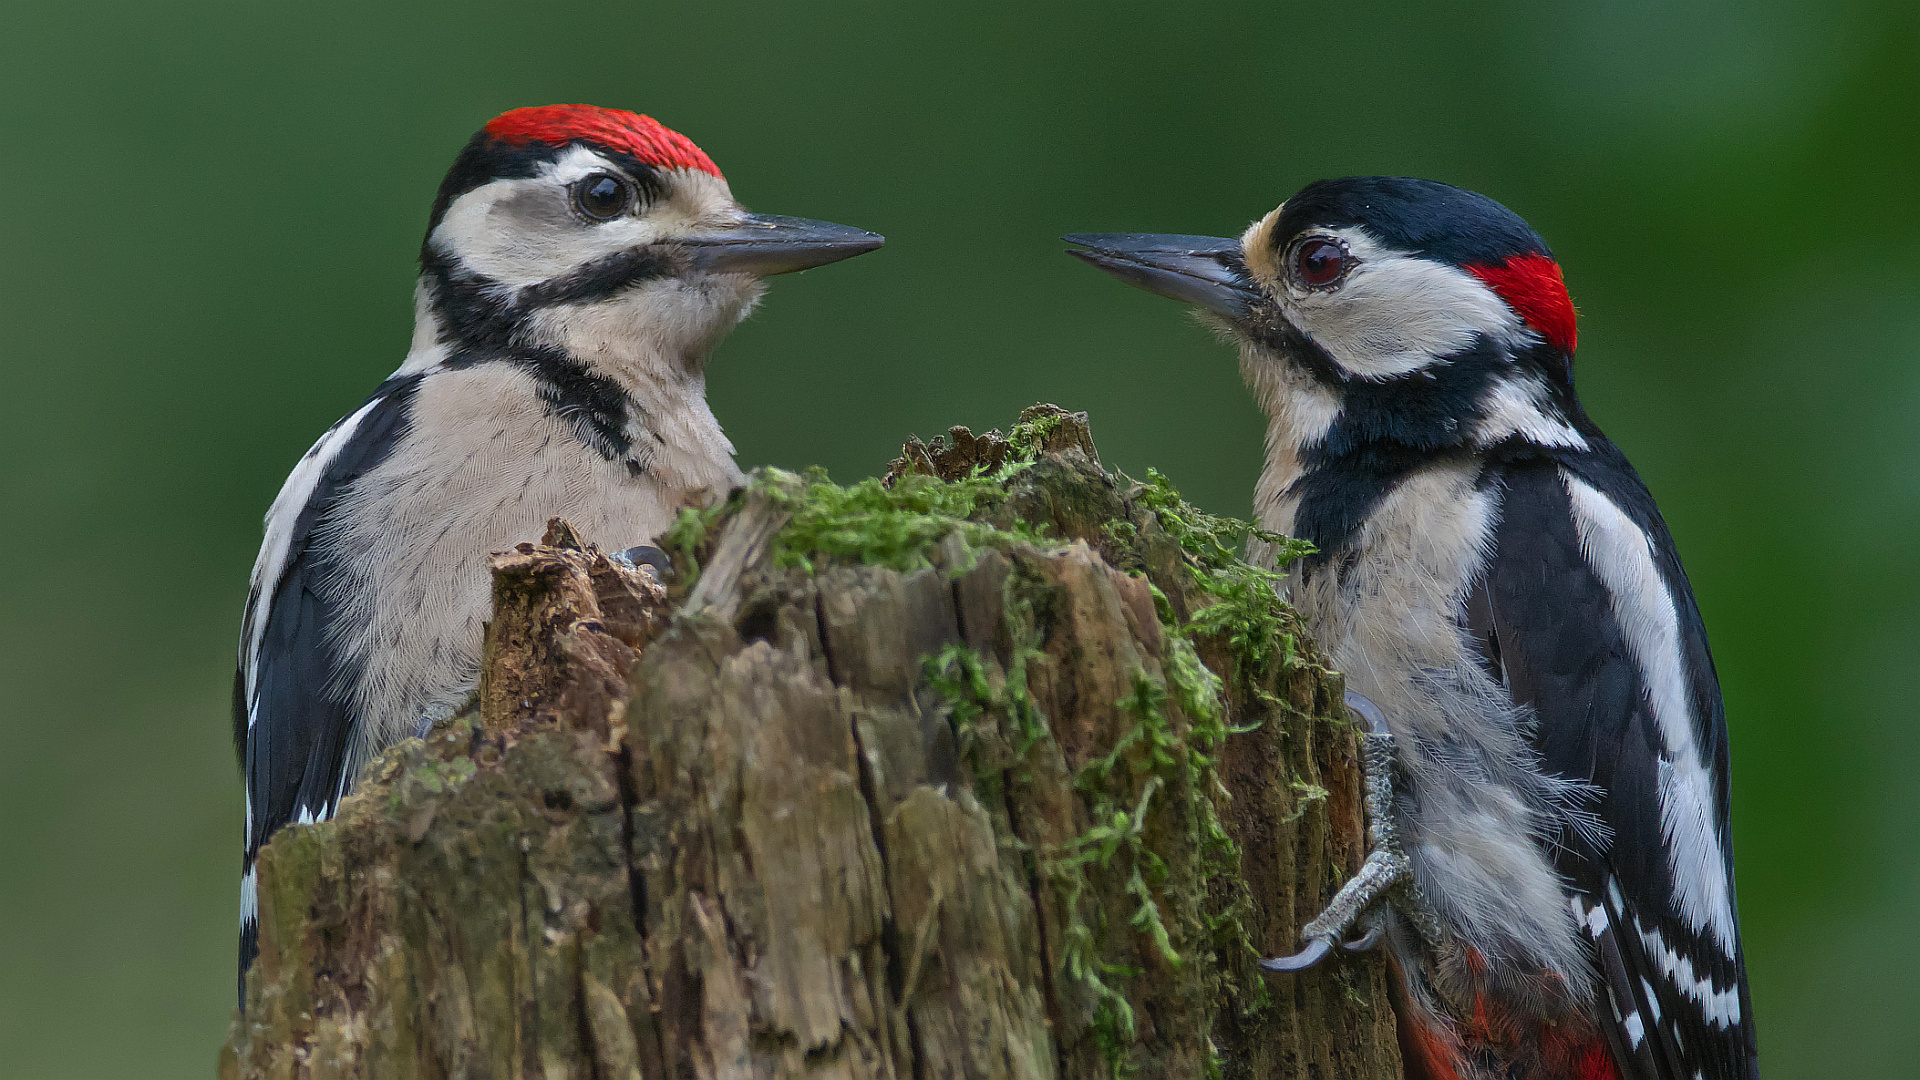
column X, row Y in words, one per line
column 520, row 232
column 491, row 232
column 1397, row 313
column 1620, row 554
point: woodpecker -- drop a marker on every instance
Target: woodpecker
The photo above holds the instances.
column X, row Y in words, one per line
column 579, row 267
column 1552, row 871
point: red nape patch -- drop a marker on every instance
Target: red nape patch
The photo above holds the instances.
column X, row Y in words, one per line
column 1533, row 286
column 630, row 133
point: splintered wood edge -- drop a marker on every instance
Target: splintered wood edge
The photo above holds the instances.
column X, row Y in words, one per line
column 742, row 546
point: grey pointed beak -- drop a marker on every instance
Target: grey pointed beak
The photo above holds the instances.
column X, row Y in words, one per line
column 1205, row 271
column 769, row 244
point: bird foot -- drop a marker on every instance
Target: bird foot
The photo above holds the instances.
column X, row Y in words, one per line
column 647, row 555
column 1385, row 873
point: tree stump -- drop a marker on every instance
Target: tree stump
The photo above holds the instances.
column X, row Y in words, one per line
column 1003, row 767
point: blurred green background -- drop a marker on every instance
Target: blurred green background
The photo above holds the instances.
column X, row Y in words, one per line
column 208, row 228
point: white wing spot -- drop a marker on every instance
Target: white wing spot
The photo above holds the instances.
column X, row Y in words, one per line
column 249, row 899
column 1591, row 919
column 1720, row 1007
column 1635, row 1029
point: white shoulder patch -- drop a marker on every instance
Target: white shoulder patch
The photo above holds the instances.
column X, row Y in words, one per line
column 281, row 517
column 1622, row 556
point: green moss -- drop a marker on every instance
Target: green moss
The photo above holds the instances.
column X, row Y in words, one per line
column 1160, row 772
column 1309, row 794
column 1028, row 436
column 974, row 690
column 433, row 770
column 997, row 725
column 443, row 776
column 874, row 525
column 685, row 541
column 1154, row 762
column 1246, row 612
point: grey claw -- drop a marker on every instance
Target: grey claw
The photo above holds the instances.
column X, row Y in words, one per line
column 1316, row 951
column 1386, row 867
column 1366, row 941
column 645, row 555
column 1376, row 720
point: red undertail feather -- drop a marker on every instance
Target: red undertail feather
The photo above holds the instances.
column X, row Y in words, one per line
column 1597, row 1064
column 1503, row 1042
column 1532, row 284
column 1428, row 1051
column 630, row 133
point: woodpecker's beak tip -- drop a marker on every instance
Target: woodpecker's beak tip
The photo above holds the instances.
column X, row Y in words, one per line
column 768, row 244
column 1205, row 271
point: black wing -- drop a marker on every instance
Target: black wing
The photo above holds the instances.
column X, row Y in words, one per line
column 291, row 715
column 1547, row 620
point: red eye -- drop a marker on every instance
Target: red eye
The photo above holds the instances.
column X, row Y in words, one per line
column 1319, row 262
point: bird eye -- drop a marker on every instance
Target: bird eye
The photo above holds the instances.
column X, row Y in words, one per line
column 603, row 196
column 1318, row 263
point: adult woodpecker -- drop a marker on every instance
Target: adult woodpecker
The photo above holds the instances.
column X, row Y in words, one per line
column 1495, row 581
column 579, row 267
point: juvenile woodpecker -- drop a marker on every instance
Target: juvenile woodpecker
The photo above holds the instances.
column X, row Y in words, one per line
column 579, row 267
column 1496, row 583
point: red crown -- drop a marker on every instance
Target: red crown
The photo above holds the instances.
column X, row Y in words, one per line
column 630, row 133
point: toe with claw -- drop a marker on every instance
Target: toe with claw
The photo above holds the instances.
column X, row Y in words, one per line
column 1385, row 872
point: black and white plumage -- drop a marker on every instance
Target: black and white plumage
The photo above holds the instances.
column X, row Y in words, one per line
column 1493, row 574
column 580, row 265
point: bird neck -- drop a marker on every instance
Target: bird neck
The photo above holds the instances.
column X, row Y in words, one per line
column 1300, row 412
column 1327, row 441
column 654, row 345
column 633, row 381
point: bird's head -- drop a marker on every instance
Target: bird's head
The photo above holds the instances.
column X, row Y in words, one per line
column 1412, row 311
column 570, row 220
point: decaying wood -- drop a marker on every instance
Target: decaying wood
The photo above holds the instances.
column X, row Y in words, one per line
column 762, row 834
column 960, row 453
